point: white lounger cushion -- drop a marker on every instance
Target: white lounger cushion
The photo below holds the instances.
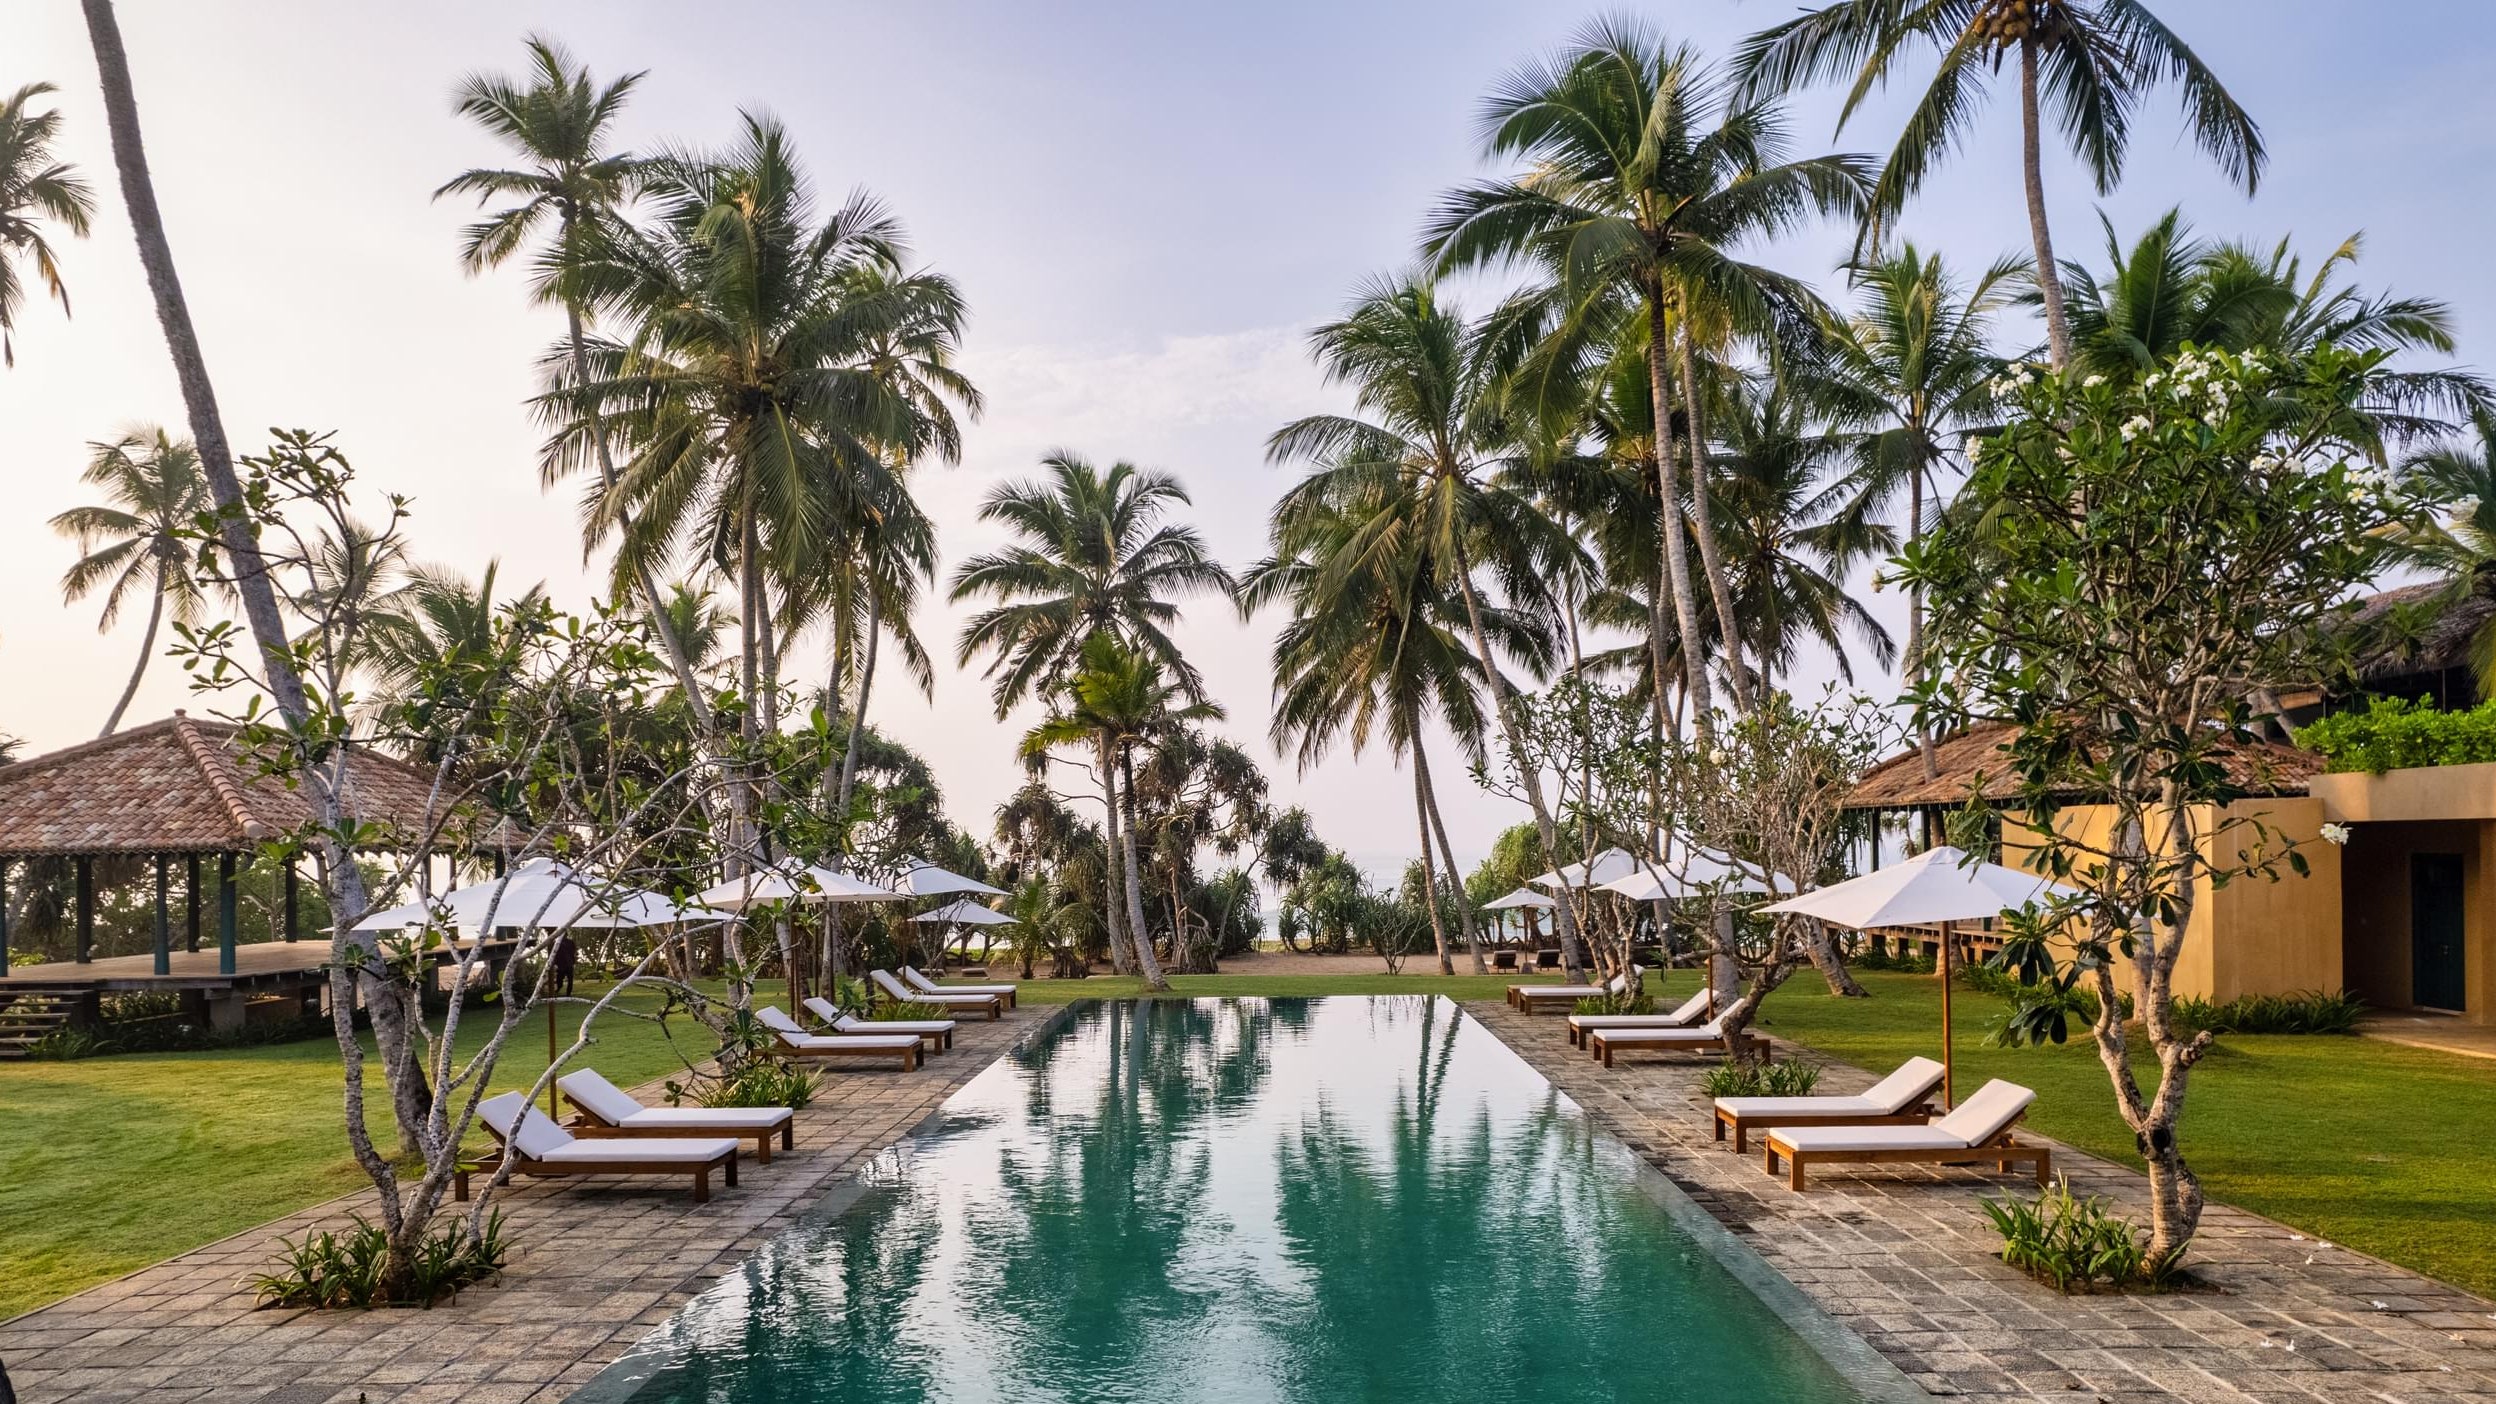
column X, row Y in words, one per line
column 1710, row 1032
column 830, row 1013
column 1915, row 1079
column 911, row 974
column 614, row 1106
column 885, row 982
column 1614, row 985
column 1978, row 1119
column 773, row 1018
column 539, row 1138
column 1683, row 1017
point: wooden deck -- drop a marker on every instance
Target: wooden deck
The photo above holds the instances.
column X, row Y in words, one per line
column 257, row 964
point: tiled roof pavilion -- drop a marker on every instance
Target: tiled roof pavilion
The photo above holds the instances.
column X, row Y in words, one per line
column 1981, row 750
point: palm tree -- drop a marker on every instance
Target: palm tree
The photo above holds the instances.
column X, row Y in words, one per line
column 2091, row 60
column 1118, row 698
column 142, row 535
column 34, row 188
column 1909, row 374
column 2461, row 477
column 1412, row 467
column 2169, row 288
column 1094, row 557
column 559, row 122
column 1641, row 178
column 734, row 383
column 1380, row 652
column 438, row 623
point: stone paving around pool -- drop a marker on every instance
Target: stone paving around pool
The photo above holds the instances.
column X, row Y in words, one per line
column 597, row 1265
column 1903, row 1256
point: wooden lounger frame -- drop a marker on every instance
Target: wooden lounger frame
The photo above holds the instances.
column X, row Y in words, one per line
column 919, row 994
column 937, row 1042
column 961, row 1004
column 589, row 1125
column 2002, row 1152
column 1577, row 1036
column 523, row 1165
column 1742, row 1126
column 1599, row 1043
column 783, row 1049
column 1526, row 997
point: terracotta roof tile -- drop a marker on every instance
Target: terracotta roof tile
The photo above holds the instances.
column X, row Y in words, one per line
column 178, row 786
column 1900, row 783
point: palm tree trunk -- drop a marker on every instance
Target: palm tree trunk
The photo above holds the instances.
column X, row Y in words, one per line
column 1464, row 909
column 1572, row 949
column 1703, row 525
column 2032, row 170
column 1121, row 951
column 1915, row 622
column 147, row 649
column 1146, row 963
column 1429, row 865
column 360, row 953
column 838, row 859
column 1668, row 526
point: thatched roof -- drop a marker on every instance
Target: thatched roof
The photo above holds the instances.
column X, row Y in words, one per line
column 1982, row 749
column 2404, row 632
column 179, row 786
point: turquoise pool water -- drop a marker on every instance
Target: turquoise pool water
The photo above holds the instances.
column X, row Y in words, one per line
column 1243, row 1201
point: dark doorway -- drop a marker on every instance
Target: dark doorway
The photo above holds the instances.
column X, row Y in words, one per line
column 2435, row 930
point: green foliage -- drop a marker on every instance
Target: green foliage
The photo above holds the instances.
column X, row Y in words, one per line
column 329, row 1270
column 2079, row 1245
column 2394, row 734
column 906, row 1011
column 1790, row 1077
column 1640, row 1003
column 2305, row 1012
column 67, row 1042
column 763, row 1082
column 1896, row 958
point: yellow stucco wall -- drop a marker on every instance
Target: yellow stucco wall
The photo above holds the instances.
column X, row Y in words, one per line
column 2254, row 935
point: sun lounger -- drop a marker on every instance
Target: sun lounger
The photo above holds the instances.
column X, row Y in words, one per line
column 1692, row 1010
column 936, row 1033
column 790, row 1041
column 926, row 986
column 1904, row 1098
column 1533, row 999
column 959, row 1001
column 535, row 1145
column 607, row 1110
column 1607, row 1044
column 1977, row 1133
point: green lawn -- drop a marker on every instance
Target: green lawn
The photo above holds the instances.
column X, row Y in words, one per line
column 112, row 1163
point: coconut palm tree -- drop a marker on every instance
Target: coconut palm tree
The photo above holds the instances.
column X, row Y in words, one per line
column 2460, row 476
column 1379, row 654
column 1906, row 376
column 1414, row 464
column 440, row 622
column 559, row 122
column 143, row 536
column 733, row 379
column 2091, row 61
column 1641, row 178
column 1118, row 698
column 34, row 188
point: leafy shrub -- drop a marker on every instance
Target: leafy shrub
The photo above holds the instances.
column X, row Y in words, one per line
column 1639, row 1003
column 332, row 1270
column 901, row 1013
column 2079, row 1245
column 2394, row 734
column 64, row 1043
column 1903, row 961
column 1791, row 1077
column 2305, row 1012
column 761, row 1082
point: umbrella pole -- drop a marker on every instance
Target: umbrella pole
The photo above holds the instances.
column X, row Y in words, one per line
column 1948, row 1100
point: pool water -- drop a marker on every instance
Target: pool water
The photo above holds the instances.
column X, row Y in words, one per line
column 1252, row 1200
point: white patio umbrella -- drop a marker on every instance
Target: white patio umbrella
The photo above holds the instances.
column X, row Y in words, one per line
column 1937, row 886
column 541, row 892
column 966, row 913
column 1669, row 882
column 803, row 883
column 1522, row 897
column 925, row 879
column 1607, row 866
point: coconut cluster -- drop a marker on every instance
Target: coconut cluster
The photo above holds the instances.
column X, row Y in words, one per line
column 2007, row 22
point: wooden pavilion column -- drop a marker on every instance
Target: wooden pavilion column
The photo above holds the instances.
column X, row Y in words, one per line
column 86, row 909
column 190, row 900
column 164, row 924
column 4, row 916
column 225, row 913
column 292, row 900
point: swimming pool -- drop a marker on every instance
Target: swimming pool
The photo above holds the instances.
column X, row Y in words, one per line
column 1244, row 1201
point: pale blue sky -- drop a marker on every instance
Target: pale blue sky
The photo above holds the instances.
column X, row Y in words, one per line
column 1148, row 205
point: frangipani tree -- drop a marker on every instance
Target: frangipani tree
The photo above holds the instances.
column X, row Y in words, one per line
column 2153, row 552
